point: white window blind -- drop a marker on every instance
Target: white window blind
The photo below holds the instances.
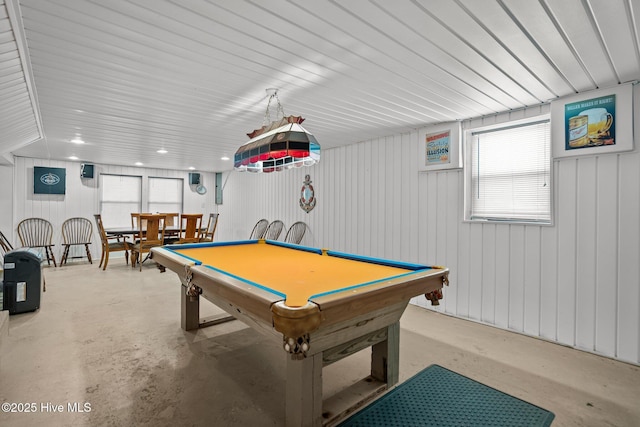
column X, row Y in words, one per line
column 165, row 195
column 510, row 172
column 121, row 195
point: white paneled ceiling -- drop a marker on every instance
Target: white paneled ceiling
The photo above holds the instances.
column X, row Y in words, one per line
column 131, row 77
column 19, row 121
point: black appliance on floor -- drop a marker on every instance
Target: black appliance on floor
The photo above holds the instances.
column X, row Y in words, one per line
column 22, row 283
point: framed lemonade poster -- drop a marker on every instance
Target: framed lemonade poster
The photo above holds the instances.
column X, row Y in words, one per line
column 599, row 122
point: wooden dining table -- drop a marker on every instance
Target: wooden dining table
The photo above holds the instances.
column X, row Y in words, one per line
column 128, row 230
column 172, row 233
column 169, row 231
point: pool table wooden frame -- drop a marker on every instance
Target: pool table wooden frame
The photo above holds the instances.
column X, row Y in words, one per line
column 325, row 330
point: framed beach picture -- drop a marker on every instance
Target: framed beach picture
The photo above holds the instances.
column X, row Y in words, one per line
column 439, row 147
column 596, row 122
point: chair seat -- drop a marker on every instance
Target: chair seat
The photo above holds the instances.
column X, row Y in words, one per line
column 118, row 246
column 144, row 245
column 136, row 249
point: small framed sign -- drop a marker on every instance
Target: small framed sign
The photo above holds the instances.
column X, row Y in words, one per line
column 596, row 122
column 49, row 180
column 439, row 147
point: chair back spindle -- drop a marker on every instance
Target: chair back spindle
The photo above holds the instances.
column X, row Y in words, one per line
column 274, row 230
column 296, row 233
column 259, row 229
column 5, row 245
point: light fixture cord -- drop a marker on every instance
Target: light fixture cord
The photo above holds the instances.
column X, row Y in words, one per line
column 279, row 110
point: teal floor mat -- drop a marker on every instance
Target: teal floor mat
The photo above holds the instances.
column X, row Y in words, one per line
column 437, row 396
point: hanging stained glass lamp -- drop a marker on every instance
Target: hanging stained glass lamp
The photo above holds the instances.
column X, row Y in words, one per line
column 277, row 145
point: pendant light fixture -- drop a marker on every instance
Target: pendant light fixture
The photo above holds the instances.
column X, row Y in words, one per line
column 277, row 145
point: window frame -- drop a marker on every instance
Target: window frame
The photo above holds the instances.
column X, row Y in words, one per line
column 468, row 172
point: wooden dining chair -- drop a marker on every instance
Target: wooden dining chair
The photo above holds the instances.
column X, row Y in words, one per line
column 172, row 230
column 259, row 229
column 111, row 243
column 296, row 233
column 210, row 231
column 190, row 228
column 137, row 224
column 171, row 218
column 76, row 231
column 135, row 219
column 37, row 233
column 274, row 230
column 152, row 237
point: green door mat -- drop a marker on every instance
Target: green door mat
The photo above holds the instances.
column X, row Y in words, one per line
column 440, row 397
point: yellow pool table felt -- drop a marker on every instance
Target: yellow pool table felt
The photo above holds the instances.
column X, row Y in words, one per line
column 298, row 274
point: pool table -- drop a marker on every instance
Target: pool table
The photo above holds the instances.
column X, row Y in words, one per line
column 322, row 305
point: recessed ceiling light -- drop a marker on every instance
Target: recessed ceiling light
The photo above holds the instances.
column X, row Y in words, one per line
column 139, row 163
column 225, row 158
column 73, row 158
column 162, row 151
column 191, row 168
column 77, row 140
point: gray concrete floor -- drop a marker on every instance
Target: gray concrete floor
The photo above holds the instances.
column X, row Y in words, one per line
column 112, row 339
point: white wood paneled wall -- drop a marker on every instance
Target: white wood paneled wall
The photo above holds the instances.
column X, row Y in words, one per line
column 82, row 198
column 6, row 199
column 576, row 282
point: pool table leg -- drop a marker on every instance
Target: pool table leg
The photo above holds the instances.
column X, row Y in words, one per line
column 303, row 395
column 189, row 311
column 385, row 356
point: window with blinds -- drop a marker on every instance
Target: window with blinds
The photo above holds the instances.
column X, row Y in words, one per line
column 121, row 195
column 165, row 194
column 509, row 172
